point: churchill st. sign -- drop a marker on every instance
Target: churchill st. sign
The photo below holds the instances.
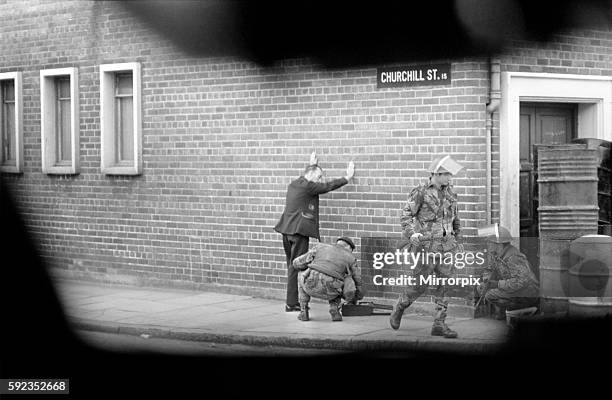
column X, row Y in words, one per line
column 413, row 75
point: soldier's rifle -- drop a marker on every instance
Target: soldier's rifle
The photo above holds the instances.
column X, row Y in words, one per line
column 495, row 259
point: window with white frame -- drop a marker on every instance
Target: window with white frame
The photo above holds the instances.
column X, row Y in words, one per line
column 11, row 131
column 59, row 101
column 120, row 119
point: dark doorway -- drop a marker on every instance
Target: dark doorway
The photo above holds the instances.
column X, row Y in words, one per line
column 541, row 123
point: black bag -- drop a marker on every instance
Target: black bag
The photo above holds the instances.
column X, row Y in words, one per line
column 364, row 308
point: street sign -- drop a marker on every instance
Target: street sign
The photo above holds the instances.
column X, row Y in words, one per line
column 413, row 75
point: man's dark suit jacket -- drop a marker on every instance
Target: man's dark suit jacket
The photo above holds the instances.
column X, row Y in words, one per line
column 301, row 215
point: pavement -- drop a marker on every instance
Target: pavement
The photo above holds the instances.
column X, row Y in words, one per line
column 230, row 318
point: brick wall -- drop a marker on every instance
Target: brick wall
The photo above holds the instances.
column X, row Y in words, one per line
column 581, row 52
column 222, row 138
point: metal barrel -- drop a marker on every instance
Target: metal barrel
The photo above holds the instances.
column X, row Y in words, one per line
column 590, row 276
column 604, row 175
column 554, row 266
column 567, row 179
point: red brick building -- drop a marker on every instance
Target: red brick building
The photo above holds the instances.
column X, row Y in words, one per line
column 189, row 189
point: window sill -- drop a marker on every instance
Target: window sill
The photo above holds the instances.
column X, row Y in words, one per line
column 121, row 170
column 11, row 169
column 57, row 170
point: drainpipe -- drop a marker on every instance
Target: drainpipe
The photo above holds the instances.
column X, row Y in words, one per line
column 492, row 107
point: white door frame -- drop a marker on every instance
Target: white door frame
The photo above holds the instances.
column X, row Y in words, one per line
column 594, row 95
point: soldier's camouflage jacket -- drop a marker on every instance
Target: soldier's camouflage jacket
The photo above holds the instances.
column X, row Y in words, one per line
column 513, row 272
column 431, row 211
column 323, row 269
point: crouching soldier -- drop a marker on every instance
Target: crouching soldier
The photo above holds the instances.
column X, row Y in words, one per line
column 322, row 273
column 508, row 281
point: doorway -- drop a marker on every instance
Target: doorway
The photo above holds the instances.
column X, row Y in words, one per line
column 540, row 123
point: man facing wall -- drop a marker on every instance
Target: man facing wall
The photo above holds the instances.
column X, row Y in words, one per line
column 300, row 220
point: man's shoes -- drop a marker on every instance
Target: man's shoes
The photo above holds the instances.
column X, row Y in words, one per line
column 335, row 315
column 303, row 316
column 396, row 317
column 289, row 308
column 440, row 328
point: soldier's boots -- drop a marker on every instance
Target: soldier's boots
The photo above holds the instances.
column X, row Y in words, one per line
column 396, row 316
column 440, row 328
column 303, row 315
column 335, row 314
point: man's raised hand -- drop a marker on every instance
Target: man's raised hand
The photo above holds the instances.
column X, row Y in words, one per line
column 313, row 158
column 350, row 171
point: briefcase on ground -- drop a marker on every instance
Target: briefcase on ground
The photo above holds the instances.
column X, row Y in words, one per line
column 364, row 308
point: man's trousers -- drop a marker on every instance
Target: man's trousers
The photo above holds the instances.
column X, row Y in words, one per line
column 295, row 246
column 312, row 283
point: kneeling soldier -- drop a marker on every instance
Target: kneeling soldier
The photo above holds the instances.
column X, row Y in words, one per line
column 322, row 273
column 508, row 281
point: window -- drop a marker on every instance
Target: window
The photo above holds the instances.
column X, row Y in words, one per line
column 62, row 120
column 120, row 119
column 11, row 131
column 8, row 121
column 59, row 120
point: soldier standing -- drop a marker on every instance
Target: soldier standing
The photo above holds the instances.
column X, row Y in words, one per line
column 507, row 281
column 431, row 221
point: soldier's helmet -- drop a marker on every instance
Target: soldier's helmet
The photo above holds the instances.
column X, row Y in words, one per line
column 495, row 233
column 347, row 241
column 445, row 164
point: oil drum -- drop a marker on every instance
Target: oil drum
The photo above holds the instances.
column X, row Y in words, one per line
column 590, row 276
